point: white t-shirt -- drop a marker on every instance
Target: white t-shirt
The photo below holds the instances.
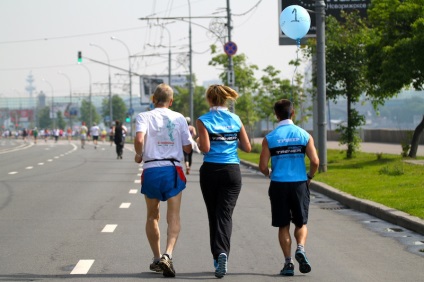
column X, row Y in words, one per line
column 95, row 130
column 166, row 133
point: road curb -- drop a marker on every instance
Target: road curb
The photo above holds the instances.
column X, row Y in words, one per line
column 375, row 209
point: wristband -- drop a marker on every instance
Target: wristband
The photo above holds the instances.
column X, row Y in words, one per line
column 309, row 177
column 140, row 155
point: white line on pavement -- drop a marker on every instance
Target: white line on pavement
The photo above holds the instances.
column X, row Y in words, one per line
column 13, row 172
column 133, row 191
column 83, row 266
column 137, row 181
column 40, row 163
column 125, row 205
column 29, row 167
column 109, row 228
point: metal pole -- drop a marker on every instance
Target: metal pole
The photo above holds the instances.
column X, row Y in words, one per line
column 230, row 75
column 89, row 96
column 131, row 110
column 321, row 82
column 110, row 84
column 191, row 63
column 70, row 97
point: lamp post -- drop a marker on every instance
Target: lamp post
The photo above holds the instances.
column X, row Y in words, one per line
column 190, row 61
column 70, row 96
column 89, row 95
column 110, row 86
column 51, row 86
column 131, row 110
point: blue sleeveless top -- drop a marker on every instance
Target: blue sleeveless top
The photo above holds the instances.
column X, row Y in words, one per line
column 287, row 145
column 224, row 129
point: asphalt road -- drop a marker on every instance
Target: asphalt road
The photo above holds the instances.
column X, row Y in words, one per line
column 77, row 215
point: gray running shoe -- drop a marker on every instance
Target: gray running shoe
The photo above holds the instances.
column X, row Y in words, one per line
column 167, row 266
column 154, row 266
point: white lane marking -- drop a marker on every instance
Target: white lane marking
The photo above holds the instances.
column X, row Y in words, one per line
column 29, row 167
column 418, row 243
column 13, row 172
column 56, row 157
column 138, row 174
column 49, row 160
column 125, row 205
column 61, row 155
column 40, row 163
column 137, row 181
column 109, row 228
column 83, row 266
column 133, row 191
column 140, row 169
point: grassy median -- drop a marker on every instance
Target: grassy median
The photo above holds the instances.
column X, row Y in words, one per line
column 383, row 178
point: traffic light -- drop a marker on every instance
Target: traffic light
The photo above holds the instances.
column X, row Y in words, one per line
column 79, row 57
column 128, row 118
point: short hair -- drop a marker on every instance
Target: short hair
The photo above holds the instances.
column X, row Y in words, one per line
column 283, row 109
column 219, row 94
column 163, row 94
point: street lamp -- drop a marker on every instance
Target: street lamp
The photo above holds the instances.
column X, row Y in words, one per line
column 89, row 77
column 51, row 86
column 131, row 110
column 70, row 96
column 110, row 86
column 191, row 62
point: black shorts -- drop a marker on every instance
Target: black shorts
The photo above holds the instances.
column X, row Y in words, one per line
column 95, row 137
column 289, row 202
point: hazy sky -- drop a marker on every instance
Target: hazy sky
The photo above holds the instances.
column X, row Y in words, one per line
column 43, row 37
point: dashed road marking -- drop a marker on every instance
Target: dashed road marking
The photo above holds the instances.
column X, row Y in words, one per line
column 137, row 181
column 83, row 266
column 49, row 160
column 40, row 163
column 29, row 167
column 109, row 228
column 125, row 205
column 13, row 172
column 133, row 191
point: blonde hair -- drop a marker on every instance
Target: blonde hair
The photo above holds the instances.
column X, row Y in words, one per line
column 219, row 94
column 163, row 94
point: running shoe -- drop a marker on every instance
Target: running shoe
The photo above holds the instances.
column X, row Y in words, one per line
column 221, row 270
column 288, row 269
column 167, row 266
column 304, row 265
column 154, row 266
column 215, row 264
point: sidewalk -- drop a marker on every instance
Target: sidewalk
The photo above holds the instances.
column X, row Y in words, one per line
column 375, row 209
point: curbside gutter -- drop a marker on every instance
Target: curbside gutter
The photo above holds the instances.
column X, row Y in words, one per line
column 391, row 215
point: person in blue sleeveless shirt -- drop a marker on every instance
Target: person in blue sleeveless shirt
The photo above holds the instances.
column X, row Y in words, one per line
column 287, row 146
column 220, row 133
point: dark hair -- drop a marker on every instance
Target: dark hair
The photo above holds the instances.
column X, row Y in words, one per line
column 283, row 109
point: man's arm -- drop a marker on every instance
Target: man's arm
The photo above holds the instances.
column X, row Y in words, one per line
column 138, row 146
column 264, row 159
column 311, row 153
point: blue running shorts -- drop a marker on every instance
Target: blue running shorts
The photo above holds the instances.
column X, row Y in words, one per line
column 162, row 183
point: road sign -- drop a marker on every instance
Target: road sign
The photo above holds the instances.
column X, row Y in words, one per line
column 230, row 48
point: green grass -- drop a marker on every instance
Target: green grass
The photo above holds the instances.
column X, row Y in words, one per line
column 381, row 178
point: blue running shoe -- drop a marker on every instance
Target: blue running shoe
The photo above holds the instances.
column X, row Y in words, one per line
column 288, row 270
column 221, row 270
column 304, row 265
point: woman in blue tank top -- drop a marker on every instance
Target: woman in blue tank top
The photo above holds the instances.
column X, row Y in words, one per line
column 220, row 134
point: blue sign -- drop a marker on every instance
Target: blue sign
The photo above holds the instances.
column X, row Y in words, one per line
column 230, row 48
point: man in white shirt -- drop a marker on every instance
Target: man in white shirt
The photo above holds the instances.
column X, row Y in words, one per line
column 95, row 132
column 161, row 137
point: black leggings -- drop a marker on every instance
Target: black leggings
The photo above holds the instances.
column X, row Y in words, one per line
column 188, row 158
column 220, row 185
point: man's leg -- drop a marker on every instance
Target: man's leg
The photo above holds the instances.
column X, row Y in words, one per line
column 285, row 240
column 152, row 225
column 173, row 219
column 300, row 233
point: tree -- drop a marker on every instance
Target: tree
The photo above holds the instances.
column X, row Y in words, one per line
column 44, row 119
column 86, row 106
column 181, row 102
column 396, row 57
column 61, row 123
column 119, row 109
column 346, row 67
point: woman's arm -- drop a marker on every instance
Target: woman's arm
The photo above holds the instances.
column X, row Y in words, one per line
column 203, row 137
